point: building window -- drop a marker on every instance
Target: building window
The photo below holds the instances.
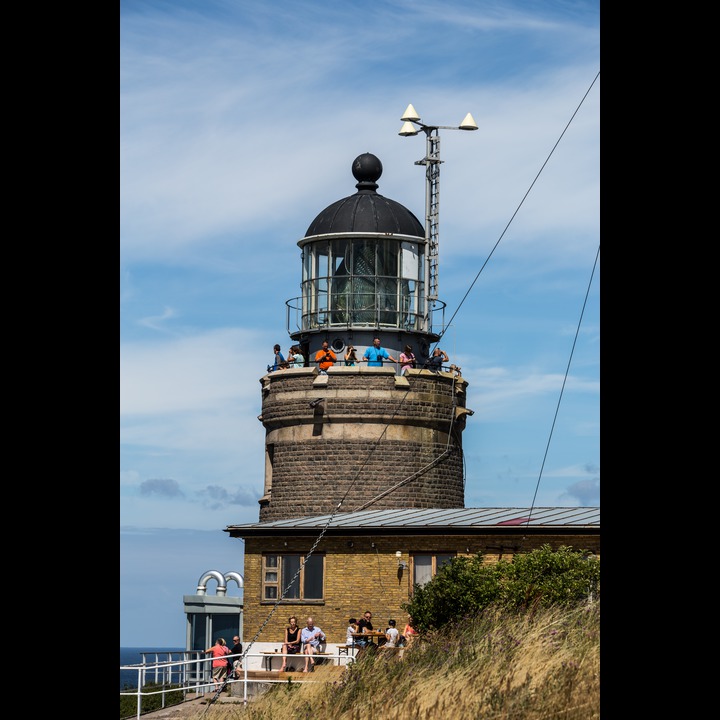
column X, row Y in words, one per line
column 298, row 578
column 425, row 567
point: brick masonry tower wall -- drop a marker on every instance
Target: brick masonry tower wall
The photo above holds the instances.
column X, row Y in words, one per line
column 363, row 438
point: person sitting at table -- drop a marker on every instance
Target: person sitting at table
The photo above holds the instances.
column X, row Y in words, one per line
column 410, row 631
column 364, row 625
column 351, row 628
column 392, row 635
column 291, row 646
column 311, row 637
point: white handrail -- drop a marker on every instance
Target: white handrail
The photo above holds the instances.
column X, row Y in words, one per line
column 198, row 679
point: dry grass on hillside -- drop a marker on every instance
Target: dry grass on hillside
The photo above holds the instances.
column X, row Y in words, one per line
column 531, row 667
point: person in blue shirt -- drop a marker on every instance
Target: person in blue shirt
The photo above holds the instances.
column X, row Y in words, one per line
column 376, row 354
column 279, row 362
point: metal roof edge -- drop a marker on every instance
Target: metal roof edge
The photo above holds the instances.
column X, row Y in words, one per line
column 431, row 521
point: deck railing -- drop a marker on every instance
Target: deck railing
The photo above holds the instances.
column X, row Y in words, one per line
column 190, row 674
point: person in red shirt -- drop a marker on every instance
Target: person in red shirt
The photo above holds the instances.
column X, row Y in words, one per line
column 410, row 632
column 219, row 664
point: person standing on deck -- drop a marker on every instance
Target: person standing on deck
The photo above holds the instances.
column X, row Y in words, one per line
column 376, row 354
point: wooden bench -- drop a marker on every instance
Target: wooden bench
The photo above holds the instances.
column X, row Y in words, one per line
column 320, row 657
column 348, row 650
column 270, row 654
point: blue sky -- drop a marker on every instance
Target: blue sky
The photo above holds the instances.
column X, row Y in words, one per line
column 239, row 124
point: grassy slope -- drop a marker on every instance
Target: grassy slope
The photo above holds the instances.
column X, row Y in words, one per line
column 531, row 667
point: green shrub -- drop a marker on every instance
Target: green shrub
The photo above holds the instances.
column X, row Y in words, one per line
column 465, row 586
column 149, row 703
column 548, row 577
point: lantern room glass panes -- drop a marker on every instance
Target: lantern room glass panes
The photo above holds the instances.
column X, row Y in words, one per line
column 363, row 282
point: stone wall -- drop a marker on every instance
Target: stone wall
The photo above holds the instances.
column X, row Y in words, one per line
column 361, row 435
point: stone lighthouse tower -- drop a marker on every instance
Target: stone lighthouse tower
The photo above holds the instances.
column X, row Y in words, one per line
column 359, row 437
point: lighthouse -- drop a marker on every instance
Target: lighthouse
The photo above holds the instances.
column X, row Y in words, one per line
column 356, row 437
column 364, row 484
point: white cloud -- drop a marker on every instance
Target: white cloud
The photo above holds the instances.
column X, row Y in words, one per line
column 199, row 372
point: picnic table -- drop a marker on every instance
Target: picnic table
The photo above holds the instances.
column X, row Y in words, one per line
column 371, row 635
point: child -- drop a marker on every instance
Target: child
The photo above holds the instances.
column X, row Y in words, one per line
column 352, row 628
column 391, row 635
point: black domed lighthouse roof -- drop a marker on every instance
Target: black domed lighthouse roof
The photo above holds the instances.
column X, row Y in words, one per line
column 366, row 211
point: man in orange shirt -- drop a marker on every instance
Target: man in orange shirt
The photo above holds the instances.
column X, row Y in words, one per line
column 325, row 357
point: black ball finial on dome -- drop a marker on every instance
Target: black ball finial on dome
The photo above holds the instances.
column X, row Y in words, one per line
column 366, row 211
column 367, row 168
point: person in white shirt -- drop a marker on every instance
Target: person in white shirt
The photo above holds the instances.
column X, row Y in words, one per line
column 296, row 358
column 391, row 635
column 310, row 639
column 351, row 628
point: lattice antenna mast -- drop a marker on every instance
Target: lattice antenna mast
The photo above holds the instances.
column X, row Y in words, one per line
column 432, row 162
column 432, row 209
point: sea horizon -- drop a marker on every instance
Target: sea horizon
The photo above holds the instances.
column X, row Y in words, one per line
column 130, row 655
